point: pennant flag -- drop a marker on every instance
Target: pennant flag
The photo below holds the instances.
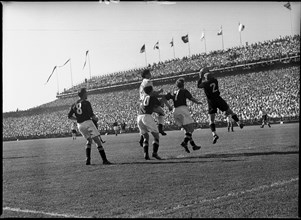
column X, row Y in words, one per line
column 86, row 58
column 171, row 43
column 203, row 36
column 241, row 27
column 156, row 45
column 185, row 38
column 51, row 74
column 64, row 63
column 288, row 6
column 220, row 32
column 142, row 50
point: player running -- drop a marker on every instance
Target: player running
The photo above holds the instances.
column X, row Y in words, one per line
column 146, row 122
column 264, row 116
column 84, row 115
column 181, row 113
column 215, row 101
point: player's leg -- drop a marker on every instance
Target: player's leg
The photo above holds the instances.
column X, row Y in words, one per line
column 228, row 125
column 189, row 128
column 156, row 145
column 160, row 111
column 262, row 122
column 234, row 117
column 145, row 146
column 232, row 126
column 88, row 151
column 212, row 127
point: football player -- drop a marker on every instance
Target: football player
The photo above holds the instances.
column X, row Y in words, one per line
column 146, row 76
column 73, row 130
column 181, row 113
column 146, row 122
column 81, row 112
column 229, row 120
column 215, row 101
column 264, row 116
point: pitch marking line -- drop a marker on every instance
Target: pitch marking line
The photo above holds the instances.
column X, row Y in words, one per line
column 279, row 183
column 41, row 212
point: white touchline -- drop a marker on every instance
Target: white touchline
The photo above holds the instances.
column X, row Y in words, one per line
column 41, row 212
column 279, row 183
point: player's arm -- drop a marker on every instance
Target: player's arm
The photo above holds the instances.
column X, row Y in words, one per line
column 71, row 115
column 195, row 100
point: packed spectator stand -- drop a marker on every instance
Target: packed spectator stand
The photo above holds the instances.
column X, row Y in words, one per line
column 261, row 74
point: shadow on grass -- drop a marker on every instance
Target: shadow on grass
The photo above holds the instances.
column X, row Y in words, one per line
column 172, row 160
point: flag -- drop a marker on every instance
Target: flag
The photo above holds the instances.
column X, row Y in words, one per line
column 185, row 38
column 86, row 58
column 241, row 27
column 64, row 63
column 171, row 43
column 51, row 74
column 156, row 45
column 203, row 36
column 288, row 6
column 142, row 49
column 220, row 32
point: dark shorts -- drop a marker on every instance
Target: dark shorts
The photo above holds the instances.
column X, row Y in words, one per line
column 264, row 117
column 73, row 131
column 217, row 103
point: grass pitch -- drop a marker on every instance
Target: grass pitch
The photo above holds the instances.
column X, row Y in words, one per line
column 248, row 173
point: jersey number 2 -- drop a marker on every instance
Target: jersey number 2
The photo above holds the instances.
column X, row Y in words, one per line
column 213, row 87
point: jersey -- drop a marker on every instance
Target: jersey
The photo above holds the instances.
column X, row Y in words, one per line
column 210, row 88
column 73, row 126
column 82, row 110
column 179, row 97
column 148, row 104
column 144, row 83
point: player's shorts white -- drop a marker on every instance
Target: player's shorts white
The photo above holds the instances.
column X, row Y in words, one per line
column 146, row 123
column 229, row 119
column 88, row 129
column 115, row 128
column 182, row 116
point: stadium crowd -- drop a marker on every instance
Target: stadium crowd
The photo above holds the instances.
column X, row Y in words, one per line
column 276, row 89
column 279, row 48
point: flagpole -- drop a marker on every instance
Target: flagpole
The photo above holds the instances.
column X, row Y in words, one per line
column 222, row 37
column 89, row 66
column 159, row 55
column 57, row 80
column 173, row 46
column 291, row 22
column 240, row 38
column 188, row 44
column 71, row 74
column 145, row 57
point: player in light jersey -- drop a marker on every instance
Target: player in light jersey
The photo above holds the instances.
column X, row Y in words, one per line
column 230, row 121
column 81, row 112
column 181, row 113
column 264, row 116
column 146, row 75
column 146, row 122
column 73, row 130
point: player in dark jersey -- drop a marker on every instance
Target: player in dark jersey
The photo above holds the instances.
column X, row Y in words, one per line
column 146, row 122
column 181, row 113
column 215, row 101
column 81, row 111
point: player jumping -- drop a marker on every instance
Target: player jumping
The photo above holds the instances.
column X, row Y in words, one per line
column 215, row 101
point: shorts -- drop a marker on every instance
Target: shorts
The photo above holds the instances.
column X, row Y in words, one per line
column 182, row 116
column 217, row 103
column 88, row 129
column 265, row 117
column 115, row 128
column 146, row 123
column 73, row 131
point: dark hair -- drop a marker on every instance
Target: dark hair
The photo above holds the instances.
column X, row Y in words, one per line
column 148, row 89
column 145, row 72
column 204, row 70
column 81, row 92
column 180, row 82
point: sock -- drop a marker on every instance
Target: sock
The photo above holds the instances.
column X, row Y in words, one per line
column 235, row 118
column 161, row 119
column 212, row 127
column 187, row 137
column 155, row 146
column 192, row 143
column 103, row 155
column 88, row 153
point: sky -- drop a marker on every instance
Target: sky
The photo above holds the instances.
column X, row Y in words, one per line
column 37, row 36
